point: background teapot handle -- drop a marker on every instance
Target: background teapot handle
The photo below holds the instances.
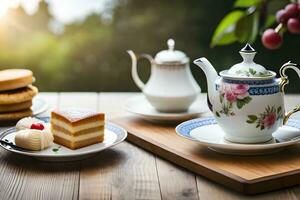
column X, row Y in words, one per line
column 285, row 81
column 134, row 72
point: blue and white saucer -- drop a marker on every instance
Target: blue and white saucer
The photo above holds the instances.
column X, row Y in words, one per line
column 113, row 135
column 208, row 133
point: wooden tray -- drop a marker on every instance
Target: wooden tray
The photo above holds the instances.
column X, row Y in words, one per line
column 246, row 174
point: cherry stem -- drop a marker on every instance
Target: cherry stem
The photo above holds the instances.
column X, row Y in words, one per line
column 278, row 28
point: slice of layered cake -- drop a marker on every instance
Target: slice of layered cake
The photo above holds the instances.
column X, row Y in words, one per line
column 76, row 128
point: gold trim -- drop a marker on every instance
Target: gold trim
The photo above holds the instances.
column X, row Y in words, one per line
column 288, row 114
column 284, row 81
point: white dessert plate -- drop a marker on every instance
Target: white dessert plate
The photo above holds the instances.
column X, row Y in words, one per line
column 38, row 106
column 208, row 133
column 113, row 135
column 139, row 106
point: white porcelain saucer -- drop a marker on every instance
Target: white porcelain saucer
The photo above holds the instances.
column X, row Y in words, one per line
column 139, row 106
column 208, row 133
column 38, row 106
column 113, row 134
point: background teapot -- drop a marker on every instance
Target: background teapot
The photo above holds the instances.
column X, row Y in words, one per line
column 247, row 100
column 171, row 86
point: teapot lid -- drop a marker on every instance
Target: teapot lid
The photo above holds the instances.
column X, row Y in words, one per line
column 248, row 68
column 171, row 56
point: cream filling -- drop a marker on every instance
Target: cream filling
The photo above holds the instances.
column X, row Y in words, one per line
column 34, row 139
column 79, row 137
column 77, row 128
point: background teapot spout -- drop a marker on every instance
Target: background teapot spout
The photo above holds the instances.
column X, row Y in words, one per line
column 211, row 76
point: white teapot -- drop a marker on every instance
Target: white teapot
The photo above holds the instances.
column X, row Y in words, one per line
column 171, row 86
column 247, row 100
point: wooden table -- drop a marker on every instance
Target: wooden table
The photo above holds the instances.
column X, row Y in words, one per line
column 122, row 172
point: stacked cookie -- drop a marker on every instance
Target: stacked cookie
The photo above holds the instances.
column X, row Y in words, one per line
column 16, row 93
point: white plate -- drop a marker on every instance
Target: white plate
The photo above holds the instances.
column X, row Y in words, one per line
column 38, row 106
column 113, row 135
column 207, row 132
column 139, row 106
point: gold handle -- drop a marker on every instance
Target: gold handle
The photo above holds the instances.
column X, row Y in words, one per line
column 285, row 81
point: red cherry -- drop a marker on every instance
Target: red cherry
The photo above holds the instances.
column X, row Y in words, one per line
column 37, row 126
column 292, row 10
column 282, row 16
column 294, row 25
column 271, row 39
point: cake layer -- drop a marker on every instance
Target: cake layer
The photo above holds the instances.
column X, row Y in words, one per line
column 77, row 128
column 76, row 145
column 77, row 116
column 79, row 137
column 81, row 132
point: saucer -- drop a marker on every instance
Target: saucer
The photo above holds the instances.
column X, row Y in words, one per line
column 113, row 134
column 139, row 106
column 208, row 133
column 38, row 106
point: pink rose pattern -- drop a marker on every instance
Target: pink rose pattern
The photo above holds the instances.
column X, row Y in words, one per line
column 231, row 94
column 266, row 119
column 269, row 120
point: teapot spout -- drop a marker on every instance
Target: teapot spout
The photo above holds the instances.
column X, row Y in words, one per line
column 211, row 76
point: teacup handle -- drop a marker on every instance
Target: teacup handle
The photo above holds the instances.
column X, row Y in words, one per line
column 134, row 72
column 285, row 81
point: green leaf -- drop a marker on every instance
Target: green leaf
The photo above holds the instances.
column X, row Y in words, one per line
column 239, row 103
column 247, row 99
column 252, row 117
column 247, row 28
column 252, row 71
column 246, row 3
column 250, row 122
column 224, row 33
column 279, row 110
column 221, row 98
column 218, row 114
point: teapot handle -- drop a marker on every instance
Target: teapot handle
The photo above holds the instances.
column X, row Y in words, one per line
column 285, row 81
column 134, row 72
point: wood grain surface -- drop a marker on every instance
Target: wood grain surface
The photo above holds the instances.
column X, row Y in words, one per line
column 122, row 172
column 248, row 174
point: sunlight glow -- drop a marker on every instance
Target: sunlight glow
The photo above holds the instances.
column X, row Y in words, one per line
column 4, row 5
column 63, row 11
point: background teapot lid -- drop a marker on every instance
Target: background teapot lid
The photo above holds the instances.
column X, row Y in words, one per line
column 248, row 68
column 171, row 56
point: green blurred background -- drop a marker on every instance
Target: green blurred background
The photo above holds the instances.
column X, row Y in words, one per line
column 74, row 47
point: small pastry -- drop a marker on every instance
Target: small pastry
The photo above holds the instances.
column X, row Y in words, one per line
column 16, row 115
column 11, row 79
column 6, row 108
column 76, row 128
column 26, row 123
column 18, row 95
column 33, row 136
